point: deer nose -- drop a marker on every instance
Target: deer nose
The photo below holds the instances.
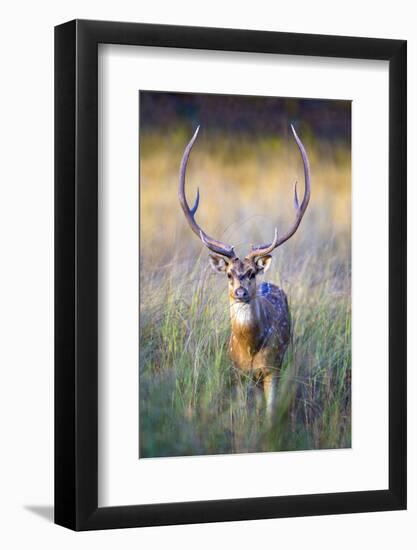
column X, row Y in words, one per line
column 241, row 293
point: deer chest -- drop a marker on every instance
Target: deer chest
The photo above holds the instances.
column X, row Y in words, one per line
column 254, row 353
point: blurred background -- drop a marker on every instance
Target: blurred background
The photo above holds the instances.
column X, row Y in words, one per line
column 244, row 162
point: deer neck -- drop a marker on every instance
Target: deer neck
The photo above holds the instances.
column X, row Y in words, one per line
column 247, row 321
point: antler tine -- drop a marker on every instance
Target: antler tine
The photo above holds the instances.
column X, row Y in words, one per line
column 212, row 244
column 262, row 250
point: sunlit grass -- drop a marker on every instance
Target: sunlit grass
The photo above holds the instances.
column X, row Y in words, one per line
column 191, row 400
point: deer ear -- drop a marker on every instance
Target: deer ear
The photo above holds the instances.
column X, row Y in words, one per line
column 218, row 263
column 263, row 263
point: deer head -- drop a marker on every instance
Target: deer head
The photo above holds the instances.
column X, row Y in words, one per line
column 242, row 273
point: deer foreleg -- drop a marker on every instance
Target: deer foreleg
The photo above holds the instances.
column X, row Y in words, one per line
column 255, row 395
column 270, row 391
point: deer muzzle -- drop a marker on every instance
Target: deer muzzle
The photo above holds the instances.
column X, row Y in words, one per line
column 242, row 294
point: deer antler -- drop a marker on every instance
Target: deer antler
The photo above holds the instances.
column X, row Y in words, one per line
column 261, row 250
column 212, row 244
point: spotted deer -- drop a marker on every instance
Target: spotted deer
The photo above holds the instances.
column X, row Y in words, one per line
column 259, row 314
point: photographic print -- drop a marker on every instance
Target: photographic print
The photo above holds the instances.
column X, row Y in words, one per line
column 245, row 274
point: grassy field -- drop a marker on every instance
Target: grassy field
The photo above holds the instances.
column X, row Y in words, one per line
column 190, row 400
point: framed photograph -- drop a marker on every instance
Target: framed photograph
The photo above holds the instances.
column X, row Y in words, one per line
column 230, row 253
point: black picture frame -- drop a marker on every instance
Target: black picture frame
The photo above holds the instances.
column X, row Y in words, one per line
column 76, row 272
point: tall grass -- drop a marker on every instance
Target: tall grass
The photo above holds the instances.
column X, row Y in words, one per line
column 192, row 401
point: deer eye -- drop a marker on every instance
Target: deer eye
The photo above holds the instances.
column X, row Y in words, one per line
column 229, row 276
